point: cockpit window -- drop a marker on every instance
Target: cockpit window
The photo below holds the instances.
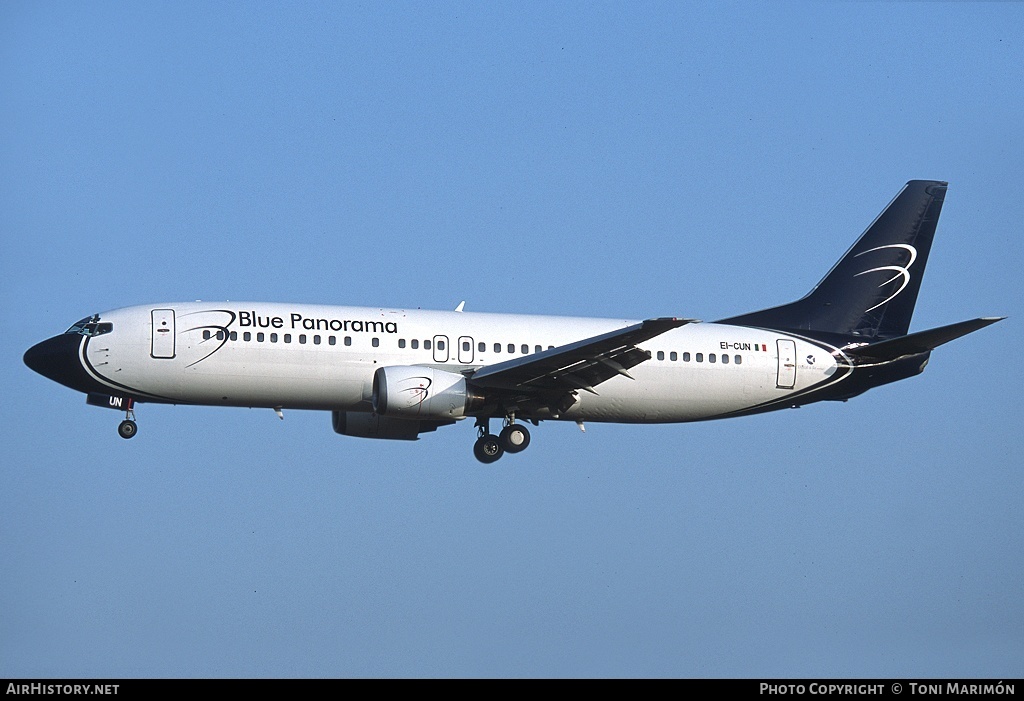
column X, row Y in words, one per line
column 79, row 326
column 91, row 326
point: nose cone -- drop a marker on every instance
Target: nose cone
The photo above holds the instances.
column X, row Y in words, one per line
column 57, row 359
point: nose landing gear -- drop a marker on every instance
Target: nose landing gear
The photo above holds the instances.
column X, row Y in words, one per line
column 128, row 428
column 514, row 438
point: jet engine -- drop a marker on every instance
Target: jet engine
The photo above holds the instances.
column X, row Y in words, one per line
column 411, row 392
column 366, row 425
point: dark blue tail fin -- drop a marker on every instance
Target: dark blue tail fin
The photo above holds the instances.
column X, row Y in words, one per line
column 872, row 290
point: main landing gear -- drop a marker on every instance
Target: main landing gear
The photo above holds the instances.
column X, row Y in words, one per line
column 513, row 439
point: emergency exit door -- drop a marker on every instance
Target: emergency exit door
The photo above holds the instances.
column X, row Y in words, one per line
column 440, row 349
column 466, row 350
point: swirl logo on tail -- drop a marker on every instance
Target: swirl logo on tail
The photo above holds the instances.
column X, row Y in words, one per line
column 900, row 270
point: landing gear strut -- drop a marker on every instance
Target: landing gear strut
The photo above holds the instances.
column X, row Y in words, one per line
column 513, row 439
column 128, row 428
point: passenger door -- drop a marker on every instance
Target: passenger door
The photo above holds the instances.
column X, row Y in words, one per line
column 787, row 364
column 163, row 333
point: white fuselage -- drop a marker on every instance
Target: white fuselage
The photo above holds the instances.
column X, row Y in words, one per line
column 324, row 357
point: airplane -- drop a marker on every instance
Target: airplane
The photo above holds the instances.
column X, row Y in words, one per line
column 399, row 373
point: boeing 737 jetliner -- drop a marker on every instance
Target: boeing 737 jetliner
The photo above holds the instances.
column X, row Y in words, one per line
column 397, row 373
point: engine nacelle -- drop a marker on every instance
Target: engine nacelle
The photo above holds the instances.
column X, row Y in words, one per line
column 366, row 425
column 412, row 392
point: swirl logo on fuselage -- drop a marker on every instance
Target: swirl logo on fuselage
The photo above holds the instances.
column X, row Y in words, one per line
column 219, row 328
column 902, row 271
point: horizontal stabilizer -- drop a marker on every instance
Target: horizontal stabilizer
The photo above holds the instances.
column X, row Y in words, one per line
column 922, row 341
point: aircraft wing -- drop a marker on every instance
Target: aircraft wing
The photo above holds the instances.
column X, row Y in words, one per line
column 579, row 365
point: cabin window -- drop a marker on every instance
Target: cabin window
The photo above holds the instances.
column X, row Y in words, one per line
column 401, row 343
column 375, row 342
column 661, row 355
column 700, row 358
column 725, row 359
column 551, row 347
column 497, row 347
column 481, row 347
column 426, row 344
column 686, row 356
column 206, row 335
column 525, row 349
column 415, row 343
column 738, row 359
column 287, row 338
column 302, row 338
column 673, row 356
column 440, row 345
column 332, row 340
column 537, row 349
column 467, row 346
column 711, row 357
column 247, row 336
column 273, row 338
column 260, row 336
column 348, row 340
column 233, row 335
column 316, row 340
column 511, row 348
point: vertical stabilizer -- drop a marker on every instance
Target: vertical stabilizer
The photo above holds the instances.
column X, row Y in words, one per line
column 872, row 290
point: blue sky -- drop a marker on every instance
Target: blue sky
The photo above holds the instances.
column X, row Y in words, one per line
column 605, row 159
